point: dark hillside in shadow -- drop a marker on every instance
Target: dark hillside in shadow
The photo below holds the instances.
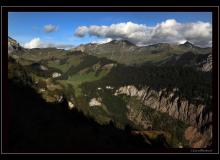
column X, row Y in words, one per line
column 37, row 126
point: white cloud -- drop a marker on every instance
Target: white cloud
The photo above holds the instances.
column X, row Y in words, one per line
column 182, row 41
column 37, row 43
column 81, row 31
column 50, row 28
column 102, row 41
column 34, row 43
column 169, row 31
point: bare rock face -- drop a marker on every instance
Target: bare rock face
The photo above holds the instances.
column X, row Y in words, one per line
column 206, row 64
column 196, row 115
column 71, row 105
column 13, row 45
column 138, row 118
column 56, row 74
column 109, row 66
column 86, row 47
column 43, row 68
column 195, row 138
column 95, row 102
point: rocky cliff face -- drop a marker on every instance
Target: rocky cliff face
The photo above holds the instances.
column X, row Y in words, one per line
column 13, row 45
column 206, row 64
column 196, row 115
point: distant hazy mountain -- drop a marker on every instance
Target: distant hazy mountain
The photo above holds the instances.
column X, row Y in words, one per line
column 125, row 52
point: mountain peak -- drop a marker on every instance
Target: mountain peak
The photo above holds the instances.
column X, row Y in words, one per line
column 188, row 44
column 122, row 41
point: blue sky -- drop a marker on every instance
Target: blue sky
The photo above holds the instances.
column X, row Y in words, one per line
column 25, row 26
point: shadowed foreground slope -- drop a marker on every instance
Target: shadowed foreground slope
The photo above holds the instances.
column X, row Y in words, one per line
column 37, row 126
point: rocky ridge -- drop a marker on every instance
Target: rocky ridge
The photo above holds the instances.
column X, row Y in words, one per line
column 13, row 45
column 206, row 64
column 196, row 115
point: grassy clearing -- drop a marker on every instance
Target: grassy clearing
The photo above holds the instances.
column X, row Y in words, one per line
column 73, row 61
column 77, row 79
column 138, row 59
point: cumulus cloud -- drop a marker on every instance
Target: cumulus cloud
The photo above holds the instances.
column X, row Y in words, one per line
column 169, row 31
column 50, row 28
column 102, row 41
column 34, row 43
column 81, row 31
column 37, row 43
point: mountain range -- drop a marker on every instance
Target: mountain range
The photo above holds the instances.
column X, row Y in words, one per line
column 163, row 92
column 125, row 52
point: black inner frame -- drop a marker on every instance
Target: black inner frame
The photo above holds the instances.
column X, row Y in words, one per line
column 215, row 52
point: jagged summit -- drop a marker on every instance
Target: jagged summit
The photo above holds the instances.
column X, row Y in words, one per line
column 122, row 41
column 188, row 44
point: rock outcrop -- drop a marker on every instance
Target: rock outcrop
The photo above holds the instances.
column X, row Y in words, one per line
column 196, row 115
column 95, row 102
column 138, row 118
column 13, row 45
column 56, row 74
column 70, row 105
column 206, row 64
column 195, row 138
column 43, row 68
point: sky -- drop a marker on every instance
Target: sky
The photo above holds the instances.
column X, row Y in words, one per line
column 69, row 29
